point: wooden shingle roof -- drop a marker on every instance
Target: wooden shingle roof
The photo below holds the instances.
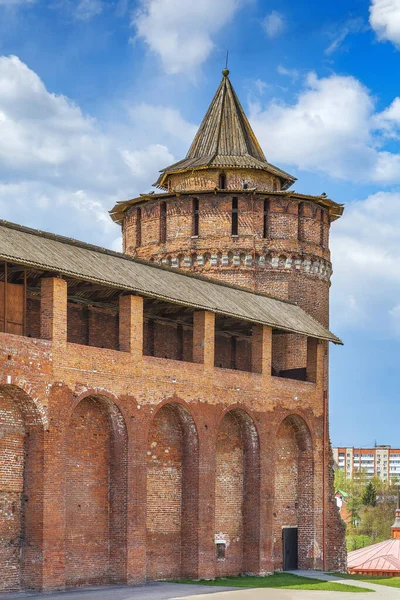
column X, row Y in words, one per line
column 69, row 258
column 225, row 139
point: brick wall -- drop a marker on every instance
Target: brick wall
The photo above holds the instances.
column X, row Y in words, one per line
column 87, row 496
column 294, row 495
column 11, row 489
column 199, row 441
column 229, row 486
column 164, row 496
column 120, row 498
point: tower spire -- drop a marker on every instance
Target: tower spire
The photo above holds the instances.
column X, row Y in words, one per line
column 225, row 139
column 396, row 524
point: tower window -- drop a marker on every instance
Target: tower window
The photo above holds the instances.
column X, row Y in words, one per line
column 321, row 233
column 266, row 219
column 222, row 181
column 138, row 227
column 235, row 216
column 195, row 216
column 163, row 222
column 300, row 222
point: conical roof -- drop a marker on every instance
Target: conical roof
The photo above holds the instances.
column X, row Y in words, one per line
column 225, row 139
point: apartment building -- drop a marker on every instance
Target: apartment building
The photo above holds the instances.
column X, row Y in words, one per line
column 379, row 461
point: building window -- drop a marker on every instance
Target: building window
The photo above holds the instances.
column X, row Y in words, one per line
column 163, row 222
column 221, row 549
column 195, row 216
column 222, row 181
column 138, row 227
column 266, row 218
column 235, row 215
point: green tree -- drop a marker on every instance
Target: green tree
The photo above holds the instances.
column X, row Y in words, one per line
column 340, row 481
column 369, row 495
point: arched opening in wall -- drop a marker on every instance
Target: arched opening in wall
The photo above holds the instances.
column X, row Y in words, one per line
column 172, row 495
column 96, row 494
column 222, row 181
column 293, row 528
column 21, row 486
column 237, row 496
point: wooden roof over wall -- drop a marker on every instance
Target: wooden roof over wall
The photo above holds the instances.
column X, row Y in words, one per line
column 70, row 258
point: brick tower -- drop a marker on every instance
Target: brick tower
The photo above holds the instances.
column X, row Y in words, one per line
column 227, row 213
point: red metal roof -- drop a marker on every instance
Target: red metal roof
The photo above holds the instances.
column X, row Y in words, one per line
column 384, row 556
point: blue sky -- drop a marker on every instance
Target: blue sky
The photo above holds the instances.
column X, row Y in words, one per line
column 97, row 95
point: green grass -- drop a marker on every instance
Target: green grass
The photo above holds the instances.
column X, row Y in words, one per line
column 390, row 581
column 278, row 580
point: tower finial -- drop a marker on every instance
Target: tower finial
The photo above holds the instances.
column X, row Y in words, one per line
column 396, row 524
column 225, row 72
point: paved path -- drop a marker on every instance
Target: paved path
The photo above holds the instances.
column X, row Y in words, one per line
column 382, row 591
column 172, row 591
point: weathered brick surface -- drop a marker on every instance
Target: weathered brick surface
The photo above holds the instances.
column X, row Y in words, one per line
column 87, row 496
column 229, row 488
column 128, row 443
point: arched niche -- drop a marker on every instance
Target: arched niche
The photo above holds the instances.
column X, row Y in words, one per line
column 237, row 495
column 293, row 494
column 96, row 493
column 172, row 494
column 21, row 490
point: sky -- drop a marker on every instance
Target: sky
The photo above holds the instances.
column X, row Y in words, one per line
column 97, row 95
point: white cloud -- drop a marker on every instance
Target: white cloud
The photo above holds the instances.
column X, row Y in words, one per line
column 63, row 170
column 339, row 34
column 292, row 73
column 384, row 18
column 148, row 117
column 274, row 24
column 366, row 258
column 15, row 2
column 181, row 32
column 87, row 9
column 81, row 10
column 333, row 128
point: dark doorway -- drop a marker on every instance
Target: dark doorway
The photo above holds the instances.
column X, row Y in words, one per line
column 290, row 553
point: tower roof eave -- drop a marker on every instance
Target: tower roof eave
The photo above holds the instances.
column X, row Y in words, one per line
column 224, row 162
column 334, row 208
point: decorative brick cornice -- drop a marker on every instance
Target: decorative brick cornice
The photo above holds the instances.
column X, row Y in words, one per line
column 278, row 262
